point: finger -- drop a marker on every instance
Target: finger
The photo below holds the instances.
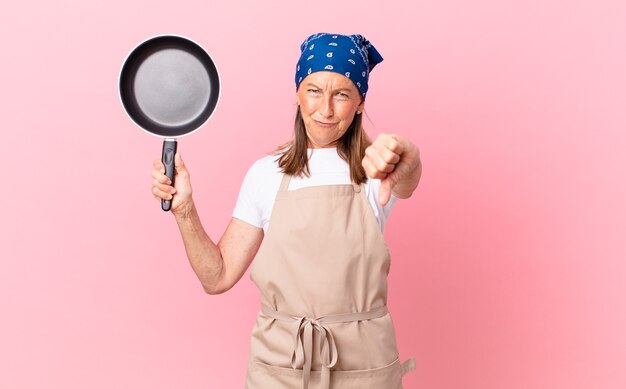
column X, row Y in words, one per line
column 158, row 165
column 161, row 194
column 378, row 161
column 384, row 194
column 392, row 143
column 371, row 170
column 163, row 187
column 386, row 154
column 160, row 177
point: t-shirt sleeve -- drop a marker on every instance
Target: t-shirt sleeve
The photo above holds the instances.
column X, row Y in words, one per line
column 382, row 212
column 385, row 211
column 247, row 207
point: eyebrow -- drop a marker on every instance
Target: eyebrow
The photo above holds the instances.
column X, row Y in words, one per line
column 308, row 84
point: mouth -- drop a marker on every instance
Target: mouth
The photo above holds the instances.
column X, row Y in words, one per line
column 324, row 124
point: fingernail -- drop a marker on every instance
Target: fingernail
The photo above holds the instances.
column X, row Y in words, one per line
column 173, row 190
column 169, row 197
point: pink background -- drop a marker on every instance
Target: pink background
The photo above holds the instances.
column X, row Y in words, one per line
column 508, row 263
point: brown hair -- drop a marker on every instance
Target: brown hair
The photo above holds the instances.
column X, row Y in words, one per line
column 351, row 147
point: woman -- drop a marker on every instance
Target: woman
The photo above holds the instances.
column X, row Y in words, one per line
column 321, row 264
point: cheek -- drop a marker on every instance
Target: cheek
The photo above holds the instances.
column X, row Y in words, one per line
column 307, row 106
column 348, row 108
column 347, row 115
column 303, row 99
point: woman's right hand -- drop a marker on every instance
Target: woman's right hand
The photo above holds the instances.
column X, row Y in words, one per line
column 180, row 193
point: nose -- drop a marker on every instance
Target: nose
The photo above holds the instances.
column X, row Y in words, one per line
column 326, row 106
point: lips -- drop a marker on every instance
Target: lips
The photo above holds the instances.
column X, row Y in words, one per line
column 323, row 124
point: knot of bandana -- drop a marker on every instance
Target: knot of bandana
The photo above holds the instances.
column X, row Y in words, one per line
column 350, row 55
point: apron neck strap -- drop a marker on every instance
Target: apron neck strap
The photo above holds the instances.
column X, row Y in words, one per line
column 284, row 184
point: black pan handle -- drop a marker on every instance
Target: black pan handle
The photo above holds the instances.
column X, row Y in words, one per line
column 167, row 157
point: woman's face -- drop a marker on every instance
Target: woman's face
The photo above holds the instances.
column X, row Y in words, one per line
column 328, row 102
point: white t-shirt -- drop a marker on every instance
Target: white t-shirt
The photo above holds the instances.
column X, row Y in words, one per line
column 259, row 187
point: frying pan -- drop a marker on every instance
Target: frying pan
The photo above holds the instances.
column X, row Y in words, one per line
column 169, row 86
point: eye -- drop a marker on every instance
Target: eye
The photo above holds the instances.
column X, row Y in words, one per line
column 342, row 95
column 314, row 91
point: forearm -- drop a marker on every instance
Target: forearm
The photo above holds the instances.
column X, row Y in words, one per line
column 203, row 254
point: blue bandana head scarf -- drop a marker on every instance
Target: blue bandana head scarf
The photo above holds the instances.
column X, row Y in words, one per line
column 350, row 55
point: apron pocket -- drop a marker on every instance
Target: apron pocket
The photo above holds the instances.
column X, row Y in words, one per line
column 263, row 376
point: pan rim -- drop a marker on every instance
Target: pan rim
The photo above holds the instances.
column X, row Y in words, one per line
column 134, row 49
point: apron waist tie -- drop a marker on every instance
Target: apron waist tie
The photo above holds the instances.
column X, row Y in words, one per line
column 303, row 339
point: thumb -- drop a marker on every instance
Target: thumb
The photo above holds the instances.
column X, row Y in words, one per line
column 179, row 165
column 386, row 186
column 384, row 194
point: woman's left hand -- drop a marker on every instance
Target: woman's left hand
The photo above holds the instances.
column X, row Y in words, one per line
column 396, row 162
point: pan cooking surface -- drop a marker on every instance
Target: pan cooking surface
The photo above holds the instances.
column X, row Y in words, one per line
column 172, row 87
column 169, row 86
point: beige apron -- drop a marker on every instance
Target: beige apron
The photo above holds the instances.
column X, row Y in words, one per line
column 322, row 272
